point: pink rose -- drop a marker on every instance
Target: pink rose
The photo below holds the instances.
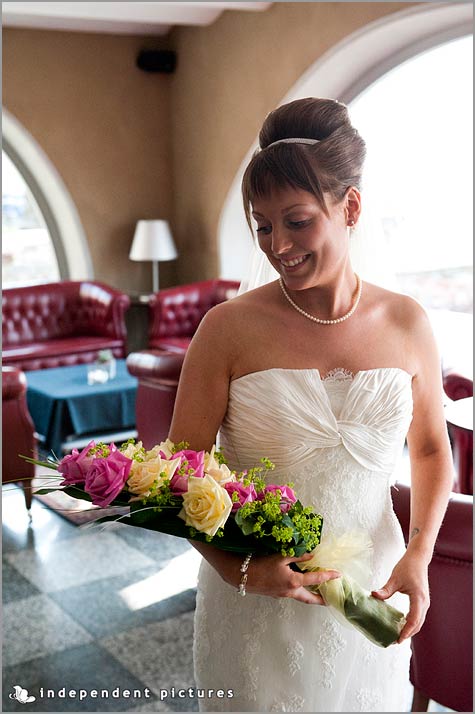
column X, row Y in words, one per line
column 192, row 464
column 246, row 494
column 75, row 465
column 287, row 496
column 194, row 460
column 107, row 476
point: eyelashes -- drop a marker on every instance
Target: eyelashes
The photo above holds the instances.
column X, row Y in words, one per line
column 299, row 224
column 294, row 225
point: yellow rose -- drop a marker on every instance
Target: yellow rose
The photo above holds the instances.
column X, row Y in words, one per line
column 144, row 474
column 167, row 448
column 222, row 474
column 209, row 461
column 219, row 472
column 132, row 449
column 206, row 505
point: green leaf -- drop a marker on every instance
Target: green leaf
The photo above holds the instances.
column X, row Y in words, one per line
column 44, row 491
column 47, row 464
column 77, row 492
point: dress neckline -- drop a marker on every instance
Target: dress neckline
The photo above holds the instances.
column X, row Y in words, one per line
column 330, row 374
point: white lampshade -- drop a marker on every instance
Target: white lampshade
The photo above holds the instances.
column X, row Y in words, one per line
column 152, row 241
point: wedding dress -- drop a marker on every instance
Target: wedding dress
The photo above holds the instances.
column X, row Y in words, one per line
column 338, row 439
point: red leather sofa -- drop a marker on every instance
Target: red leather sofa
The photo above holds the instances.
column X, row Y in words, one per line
column 442, row 657
column 457, row 386
column 175, row 313
column 18, row 432
column 64, row 323
column 174, row 316
column 158, row 374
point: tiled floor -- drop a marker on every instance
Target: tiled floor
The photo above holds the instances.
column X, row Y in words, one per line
column 88, row 610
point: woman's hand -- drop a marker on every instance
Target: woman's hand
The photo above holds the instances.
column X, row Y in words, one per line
column 410, row 577
column 272, row 575
column 269, row 575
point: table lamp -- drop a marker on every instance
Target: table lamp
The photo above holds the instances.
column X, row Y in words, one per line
column 153, row 241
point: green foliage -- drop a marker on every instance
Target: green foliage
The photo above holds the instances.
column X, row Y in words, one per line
column 293, row 533
column 219, row 456
column 99, row 450
column 181, row 446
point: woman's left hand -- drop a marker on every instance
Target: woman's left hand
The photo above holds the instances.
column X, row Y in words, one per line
column 409, row 576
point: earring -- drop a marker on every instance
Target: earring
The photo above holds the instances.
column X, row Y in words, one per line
column 351, row 222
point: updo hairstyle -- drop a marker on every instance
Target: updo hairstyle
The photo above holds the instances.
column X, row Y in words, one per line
column 330, row 166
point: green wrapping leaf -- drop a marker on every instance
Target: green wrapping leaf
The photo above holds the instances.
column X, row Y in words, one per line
column 379, row 621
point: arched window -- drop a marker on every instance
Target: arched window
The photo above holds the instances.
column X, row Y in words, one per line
column 28, row 254
column 43, row 239
column 417, row 122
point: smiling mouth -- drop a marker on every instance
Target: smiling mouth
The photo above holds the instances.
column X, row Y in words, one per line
column 292, row 262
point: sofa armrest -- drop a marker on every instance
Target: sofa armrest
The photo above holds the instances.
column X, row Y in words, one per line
column 103, row 310
column 177, row 312
column 155, row 366
column 13, row 383
column 451, row 541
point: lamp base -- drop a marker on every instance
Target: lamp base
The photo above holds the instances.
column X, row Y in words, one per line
column 155, row 276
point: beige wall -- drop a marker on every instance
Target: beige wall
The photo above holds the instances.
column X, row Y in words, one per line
column 133, row 145
column 105, row 125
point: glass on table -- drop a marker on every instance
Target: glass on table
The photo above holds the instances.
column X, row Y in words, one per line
column 97, row 373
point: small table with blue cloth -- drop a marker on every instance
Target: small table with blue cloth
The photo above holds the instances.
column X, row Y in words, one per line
column 62, row 404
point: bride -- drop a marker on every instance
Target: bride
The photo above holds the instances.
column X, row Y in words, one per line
column 326, row 376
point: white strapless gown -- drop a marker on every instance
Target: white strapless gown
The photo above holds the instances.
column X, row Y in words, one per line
column 338, row 440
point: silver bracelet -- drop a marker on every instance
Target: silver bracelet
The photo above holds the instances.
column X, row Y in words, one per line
column 243, row 570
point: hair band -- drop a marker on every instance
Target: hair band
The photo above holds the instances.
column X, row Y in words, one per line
column 293, row 141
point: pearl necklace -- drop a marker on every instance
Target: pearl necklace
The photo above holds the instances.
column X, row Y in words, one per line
column 359, row 286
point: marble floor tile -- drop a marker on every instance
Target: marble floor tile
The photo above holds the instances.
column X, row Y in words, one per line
column 36, row 626
column 14, row 585
column 20, row 532
column 111, row 605
column 87, row 667
column 156, row 706
column 158, row 546
column 160, row 654
column 90, row 556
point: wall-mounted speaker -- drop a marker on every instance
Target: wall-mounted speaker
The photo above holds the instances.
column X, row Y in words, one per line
column 157, row 61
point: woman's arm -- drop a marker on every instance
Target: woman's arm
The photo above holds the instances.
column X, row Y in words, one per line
column 200, row 406
column 431, row 473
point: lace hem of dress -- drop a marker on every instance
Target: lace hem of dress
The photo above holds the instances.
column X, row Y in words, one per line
column 338, row 374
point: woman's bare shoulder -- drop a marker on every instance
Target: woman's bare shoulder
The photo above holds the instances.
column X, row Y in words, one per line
column 398, row 308
column 236, row 320
column 242, row 307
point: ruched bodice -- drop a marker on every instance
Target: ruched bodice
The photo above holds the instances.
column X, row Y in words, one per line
column 338, row 439
column 288, row 413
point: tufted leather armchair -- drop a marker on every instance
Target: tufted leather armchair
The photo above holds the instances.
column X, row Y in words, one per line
column 18, row 432
column 175, row 313
column 62, row 323
column 442, row 659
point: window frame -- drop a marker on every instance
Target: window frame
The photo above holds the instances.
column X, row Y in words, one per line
column 53, row 199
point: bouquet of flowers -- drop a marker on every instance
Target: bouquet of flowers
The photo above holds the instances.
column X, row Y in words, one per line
column 193, row 494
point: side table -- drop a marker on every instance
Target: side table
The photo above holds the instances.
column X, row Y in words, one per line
column 137, row 321
column 67, row 412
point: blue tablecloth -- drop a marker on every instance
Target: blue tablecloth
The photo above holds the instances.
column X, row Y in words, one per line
column 62, row 404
